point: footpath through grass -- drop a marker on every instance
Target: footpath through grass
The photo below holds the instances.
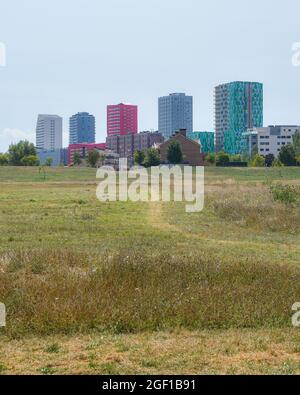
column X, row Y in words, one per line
column 73, row 268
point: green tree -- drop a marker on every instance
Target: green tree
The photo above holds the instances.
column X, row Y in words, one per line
column 211, row 158
column 93, row 157
column 30, row 160
column 277, row 163
column 236, row 158
column 139, row 157
column 223, row 158
column 259, row 161
column 152, row 158
column 17, row 152
column 174, row 154
column 296, row 143
column 49, row 161
column 269, row 160
column 76, row 159
column 4, row 159
column 287, row 155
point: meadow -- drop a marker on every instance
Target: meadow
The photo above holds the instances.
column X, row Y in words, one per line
column 95, row 287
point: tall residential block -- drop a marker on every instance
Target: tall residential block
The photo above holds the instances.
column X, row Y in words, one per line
column 49, row 132
column 82, row 128
column 238, row 107
column 122, row 119
column 175, row 112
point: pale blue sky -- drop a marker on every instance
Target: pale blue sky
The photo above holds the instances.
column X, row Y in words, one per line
column 80, row 55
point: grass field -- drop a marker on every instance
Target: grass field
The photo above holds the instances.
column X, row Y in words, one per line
column 96, row 287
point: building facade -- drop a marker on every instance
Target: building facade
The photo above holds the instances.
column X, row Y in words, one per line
column 191, row 149
column 82, row 128
column 206, row 140
column 125, row 146
column 122, row 119
column 271, row 139
column 59, row 157
column 49, row 132
column 175, row 112
column 238, row 107
column 83, row 149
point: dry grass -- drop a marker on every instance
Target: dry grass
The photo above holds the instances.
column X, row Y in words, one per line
column 255, row 208
column 63, row 292
column 179, row 352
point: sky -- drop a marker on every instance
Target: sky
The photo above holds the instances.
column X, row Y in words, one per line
column 66, row 56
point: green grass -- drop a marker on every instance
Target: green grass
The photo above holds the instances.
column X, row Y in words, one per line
column 70, row 265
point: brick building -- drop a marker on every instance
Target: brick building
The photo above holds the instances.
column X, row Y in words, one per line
column 191, row 149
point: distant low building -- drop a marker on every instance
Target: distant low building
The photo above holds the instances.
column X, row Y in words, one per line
column 191, row 149
column 82, row 150
column 206, row 140
column 127, row 145
column 269, row 140
column 59, row 157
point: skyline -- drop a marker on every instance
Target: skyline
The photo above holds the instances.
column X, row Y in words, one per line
column 180, row 50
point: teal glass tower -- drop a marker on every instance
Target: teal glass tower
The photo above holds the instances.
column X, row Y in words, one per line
column 238, row 107
column 206, row 140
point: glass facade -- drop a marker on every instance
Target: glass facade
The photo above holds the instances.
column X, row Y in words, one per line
column 206, row 140
column 175, row 112
column 82, row 128
column 238, row 107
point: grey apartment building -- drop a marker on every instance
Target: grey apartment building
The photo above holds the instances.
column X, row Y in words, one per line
column 175, row 112
column 49, row 132
column 269, row 140
column 82, row 128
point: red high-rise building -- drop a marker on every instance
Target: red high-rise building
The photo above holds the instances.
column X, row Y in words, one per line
column 122, row 119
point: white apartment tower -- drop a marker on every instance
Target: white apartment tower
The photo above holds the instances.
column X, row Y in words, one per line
column 49, row 132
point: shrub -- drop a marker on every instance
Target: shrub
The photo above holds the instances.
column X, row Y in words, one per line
column 211, row 158
column 93, row 157
column 49, row 161
column 236, row 158
column 222, row 158
column 30, row 160
column 258, row 161
column 277, row 163
column 152, row 158
column 139, row 157
column 269, row 159
column 4, row 159
column 287, row 155
column 286, row 194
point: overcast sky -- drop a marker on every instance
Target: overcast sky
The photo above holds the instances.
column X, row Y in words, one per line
column 65, row 56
